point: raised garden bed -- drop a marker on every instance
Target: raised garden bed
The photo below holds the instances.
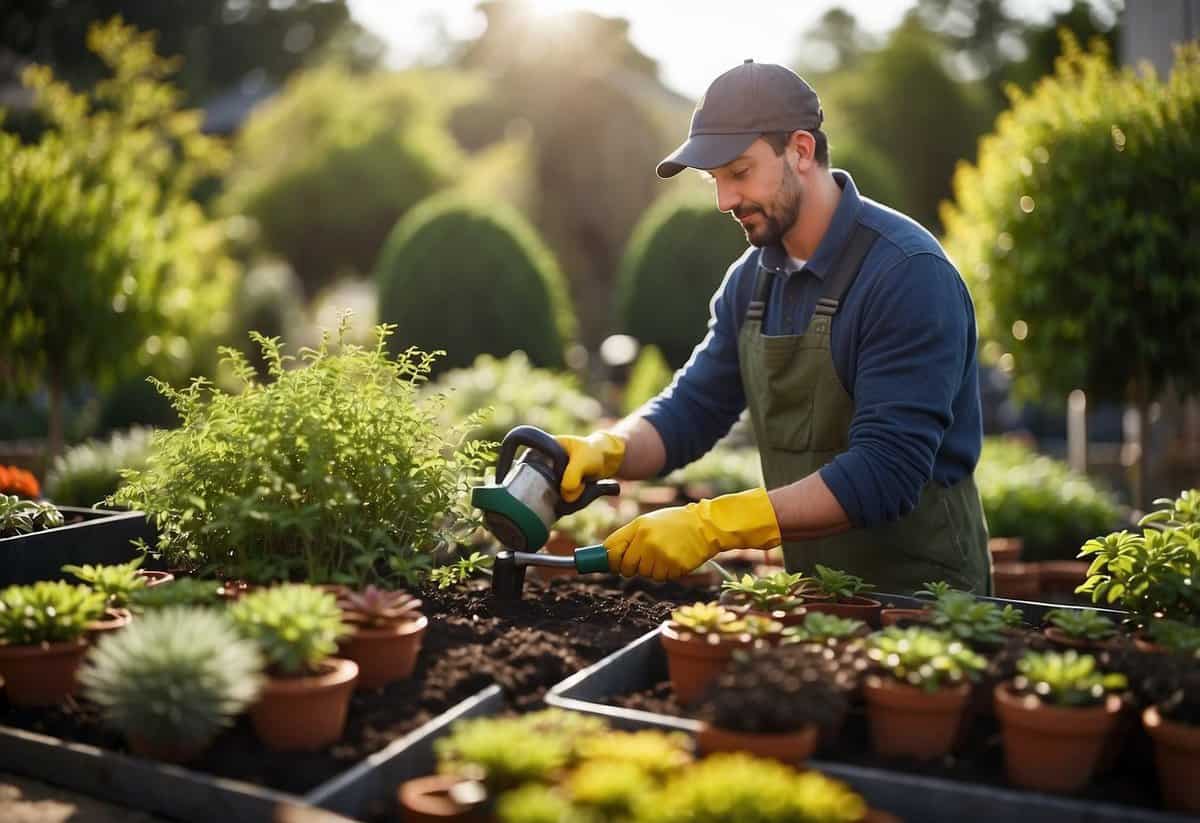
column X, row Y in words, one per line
column 631, row 690
column 472, row 642
column 95, row 536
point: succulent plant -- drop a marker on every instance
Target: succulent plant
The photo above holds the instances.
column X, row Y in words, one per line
column 934, row 589
column 173, row 677
column 1084, row 624
column 117, row 582
column 1066, row 678
column 779, row 591
column 19, row 516
column 47, row 612
column 377, row 608
column 183, row 591
column 296, row 626
column 924, row 658
column 977, row 622
column 839, row 584
column 537, row 803
column 608, row 790
column 714, row 620
column 1175, row 636
column 653, row 752
column 819, row 627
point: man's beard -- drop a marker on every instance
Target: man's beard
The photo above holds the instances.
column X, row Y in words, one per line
column 776, row 220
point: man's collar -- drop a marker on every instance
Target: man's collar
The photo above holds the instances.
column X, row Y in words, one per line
column 775, row 257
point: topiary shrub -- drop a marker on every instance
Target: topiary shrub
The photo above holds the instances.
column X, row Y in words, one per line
column 650, row 375
column 676, row 257
column 472, row 277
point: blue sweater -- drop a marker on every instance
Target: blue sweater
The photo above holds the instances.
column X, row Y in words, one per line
column 903, row 344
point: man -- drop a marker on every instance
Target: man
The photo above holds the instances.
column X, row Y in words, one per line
column 851, row 338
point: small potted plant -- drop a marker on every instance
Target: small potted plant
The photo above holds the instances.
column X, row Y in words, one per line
column 825, row 629
column 837, row 592
column 1055, row 716
column 1173, row 722
column 699, row 641
column 1083, row 629
column 172, row 680
column 1162, row 636
column 891, row 615
column 184, row 591
column 117, row 582
column 918, row 690
column 297, row 628
column 772, row 703
column 778, row 596
column 980, row 624
column 42, row 639
column 386, row 638
column 18, row 516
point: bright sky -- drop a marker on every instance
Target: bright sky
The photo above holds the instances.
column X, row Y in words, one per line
column 693, row 40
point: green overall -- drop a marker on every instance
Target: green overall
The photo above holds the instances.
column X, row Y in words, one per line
column 801, row 415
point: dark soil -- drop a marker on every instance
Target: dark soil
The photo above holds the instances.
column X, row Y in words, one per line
column 472, row 641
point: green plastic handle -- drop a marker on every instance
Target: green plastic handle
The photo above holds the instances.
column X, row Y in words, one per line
column 591, row 559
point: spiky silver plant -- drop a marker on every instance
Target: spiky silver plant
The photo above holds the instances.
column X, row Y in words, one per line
column 174, row 676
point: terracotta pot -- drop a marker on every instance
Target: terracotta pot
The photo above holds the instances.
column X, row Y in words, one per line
column 112, row 620
column 155, row 578
column 1148, row 646
column 890, row 617
column 1052, row 748
column 305, row 713
column 1060, row 638
column 693, row 661
column 559, row 544
column 1061, row 576
column 1005, row 549
column 233, row 589
column 1015, row 580
column 788, row 617
column 384, row 655
column 906, row 720
column 880, row 816
column 41, row 675
column 1177, row 756
column 166, row 752
column 860, row 608
column 792, row 748
column 428, row 800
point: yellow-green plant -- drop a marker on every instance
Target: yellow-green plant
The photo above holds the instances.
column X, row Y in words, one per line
column 927, row 659
column 1149, row 573
column 1066, row 679
column 116, row 581
column 296, row 626
column 47, row 612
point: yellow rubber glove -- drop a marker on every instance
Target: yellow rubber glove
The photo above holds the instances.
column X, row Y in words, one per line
column 669, row 543
column 594, row 457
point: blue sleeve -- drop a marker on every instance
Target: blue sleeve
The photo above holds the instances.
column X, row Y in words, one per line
column 705, row 397
column 911, row 356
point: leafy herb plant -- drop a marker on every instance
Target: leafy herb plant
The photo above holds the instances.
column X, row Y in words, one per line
column 117, row 582
column 18, row 516
column 461, row 570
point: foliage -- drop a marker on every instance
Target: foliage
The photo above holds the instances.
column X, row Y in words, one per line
column 518, row 394
column 376, row 608
column 269, row 300
column 1148, row 573
column 972, row 621
column 654, row 753
column 1085, row 186
column 107, row 264
column 182, row 591
column 819, row 627
column 461, row 570
column 677, row 257
column 1039, row 499
column 117, row 582
column 367, row 148
column 1182, row 511
column 839, row 584
column 89, row 472
column 1083, row 624
column 934, row 590
column 175, row 676
column 726, row 469
column 326, row 474
column 19, row 516
column 649, row 375
column 778, row 591
column 736, row 786
column 1066, row 679
column 924, row 658
column 536, row 803
column 1175, row 636
column 498, row 293
column 47, row 612
column 592, row 524
column 18, row 481
column 296, row 626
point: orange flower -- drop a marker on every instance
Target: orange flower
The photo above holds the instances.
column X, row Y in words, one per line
column 18, row 481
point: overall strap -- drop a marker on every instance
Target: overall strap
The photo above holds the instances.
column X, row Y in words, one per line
column 763, row 279
column 846, row 269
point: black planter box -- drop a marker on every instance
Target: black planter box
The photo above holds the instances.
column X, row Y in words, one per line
column 915, row 798
column 182, row 794
column 100, row 537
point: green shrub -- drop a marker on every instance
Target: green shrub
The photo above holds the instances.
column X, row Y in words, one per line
column 924, row 658
column 185, row 591
column 296, row 626
column 47, row 612
column 472, row 277
column 1039, row 499
column 517, row 394
column 1065, row 679
column 725, row 469
column 86, row 474
column 117, row 582
column 270, row 300
column 176, row 676
column 327, row 167
column 676, row 258
column 1150, row 574
column 650, row 375
column 338, row 471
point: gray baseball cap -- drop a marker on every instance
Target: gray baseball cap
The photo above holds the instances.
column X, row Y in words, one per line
column 740, row 105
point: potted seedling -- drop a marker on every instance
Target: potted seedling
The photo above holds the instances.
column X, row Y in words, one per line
column 918, row 690
column 386, row 638
column 297, row 628
column 1082, row 629
column 1163, row 636
column 840, row 593
column 699, row 641
column 891, row 616
column 1173, row 721
column 1055, row 716
column 117, row 582
column 772, row 703
column 778, row 596
column 42, row 639
column 825, row 629
column 980, row 624
column 172, row 680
